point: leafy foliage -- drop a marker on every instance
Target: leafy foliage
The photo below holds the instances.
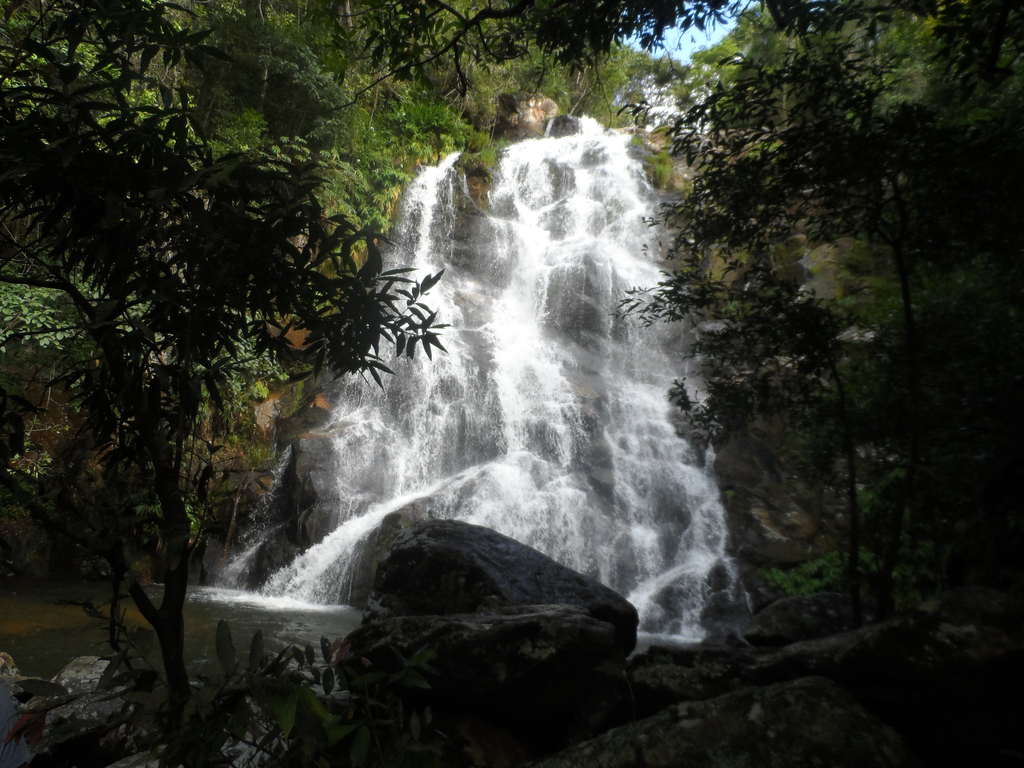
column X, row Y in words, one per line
column 295, row 707
column 169, row 260
column 836, row 142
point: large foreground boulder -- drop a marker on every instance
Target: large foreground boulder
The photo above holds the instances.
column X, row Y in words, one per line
column 551, row 671
column 945, row 677
column 796, row 724
column 72, row 719
column 439, row 567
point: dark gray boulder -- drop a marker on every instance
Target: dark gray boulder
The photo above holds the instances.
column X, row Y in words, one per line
column 441, row 567
column 82, row 674
column 374, row 549
column 563, row 125
column 660, row 677
column 70, row 720
column 945, row 677
column 806, row 722
column 549, row 670
column 804, row 617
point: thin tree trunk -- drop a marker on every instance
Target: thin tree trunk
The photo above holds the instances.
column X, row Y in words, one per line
column 168, row 620
column 901, row 515
column 853, row 580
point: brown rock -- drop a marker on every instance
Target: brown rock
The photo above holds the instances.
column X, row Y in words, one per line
column 523, row 116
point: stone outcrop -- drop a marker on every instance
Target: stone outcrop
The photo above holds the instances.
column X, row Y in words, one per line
column 82, row 674
column 519, row 645
column 774, row 517
column 72, row 719
column 804, row 617
column 796, row 724
column 445, row 567
column 777, row 518
column 375, row 548
column 563, row 125
column 523, row 116
column 540, row 668
column 305, row 502
column 944, row 677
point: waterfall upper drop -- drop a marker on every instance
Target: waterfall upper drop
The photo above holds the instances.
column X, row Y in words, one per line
column 548, row 418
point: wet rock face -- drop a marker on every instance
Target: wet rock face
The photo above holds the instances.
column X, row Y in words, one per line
column 447, row 567
column 805, row 617
column 375, row 548
column 309, row 495
column 563, row 125
column 774, row 518
column 305, row 505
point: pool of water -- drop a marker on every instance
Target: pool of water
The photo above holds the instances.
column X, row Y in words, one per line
column 42, row 630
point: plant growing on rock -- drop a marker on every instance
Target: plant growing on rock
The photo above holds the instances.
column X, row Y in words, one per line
column 299, row 707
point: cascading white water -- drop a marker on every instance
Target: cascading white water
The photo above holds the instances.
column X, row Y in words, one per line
column 548, row 419
column 235, row 572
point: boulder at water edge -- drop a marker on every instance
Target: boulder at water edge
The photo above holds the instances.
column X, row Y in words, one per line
column 439, row 567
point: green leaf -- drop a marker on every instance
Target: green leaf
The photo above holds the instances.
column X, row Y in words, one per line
column 327, row 680
column 284, row 708
column 430, row 281
column 340, row 731
column 256, row 650
column 413, row 679
column 360, row 746
column 226, row 649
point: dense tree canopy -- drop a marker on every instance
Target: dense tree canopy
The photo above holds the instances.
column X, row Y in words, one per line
column 181, row 188
column 170, row 266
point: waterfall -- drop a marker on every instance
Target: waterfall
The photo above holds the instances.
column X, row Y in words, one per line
column 236, row 570
column 548, row 419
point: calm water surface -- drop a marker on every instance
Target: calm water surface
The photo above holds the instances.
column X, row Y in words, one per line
column 42, row 631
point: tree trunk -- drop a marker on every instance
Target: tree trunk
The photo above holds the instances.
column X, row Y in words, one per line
column 901, row 515
column 168, row 620
column 853, row 579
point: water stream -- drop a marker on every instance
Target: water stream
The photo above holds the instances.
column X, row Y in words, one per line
column 548, row 419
